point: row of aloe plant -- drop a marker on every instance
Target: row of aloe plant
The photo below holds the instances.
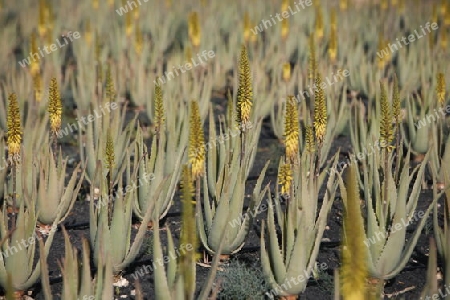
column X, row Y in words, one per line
column 227, row 186
column 306, row 184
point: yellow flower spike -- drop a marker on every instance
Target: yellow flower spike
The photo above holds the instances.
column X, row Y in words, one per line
column 309, row 139
column 54, row 106
column 343, row 5
column 320, row 111
column 447, row 17
column 386, row 131
column 443, row 7
column 312, row 58
column 286, row 72
column 138, row 41
column 136, row 13
column 159, row 108
column 247, row 27
column 109, row 150
column 37, row 86
column 443, row 38
column 245, row 91
column 88, row 33
column 284, row 29
column 14, row 128
column 50, row 24
column 196, row 142
column 440, row 89
column 353, row 271
column 194, row 29
column 381, row 45
column 401, row 6
column 188, row 53
column 285, row 178
column 434, row 18
column 42, row 26
column 332, row 48
column 188, row 234
column 128, row 22
column 284, row 5
column 34, row 65
column 333, row 18
column 319, row 23
column 110, row 90
column 253, row 37
column 291, row 129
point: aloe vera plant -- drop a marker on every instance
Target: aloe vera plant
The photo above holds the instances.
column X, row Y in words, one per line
column 302, row 226
column 54, row 199
column 340, row 113
column 178, row 281
column 17, row 267
column 389, row 215
column 169, row 283
column 153, row 171
column 228, row 140
column 442, row 233
column 111, row 235
column 92, row 144
column 77, row 281
column 225, row 210
column 418, row 132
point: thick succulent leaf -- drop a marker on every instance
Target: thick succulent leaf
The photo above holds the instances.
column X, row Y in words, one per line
column 172, row 265
column 133, row 251
column 257, row 198
column 277, row 265
column 266, row 263
column 412, row 241
column 395, row 237
column 415, row 192
column 162, row 290
column 320, row 224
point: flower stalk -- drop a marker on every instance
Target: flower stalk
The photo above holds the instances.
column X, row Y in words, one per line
column 244, row 97
column 291, row 130
column 197, row 150
column 386, row 136
column 159, row 111
column 55, row 112
column 14, row 141
column 188, row 235
column 320, row 117
column 109, row 153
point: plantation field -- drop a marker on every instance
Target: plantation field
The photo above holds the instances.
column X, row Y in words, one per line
column 224, row 149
